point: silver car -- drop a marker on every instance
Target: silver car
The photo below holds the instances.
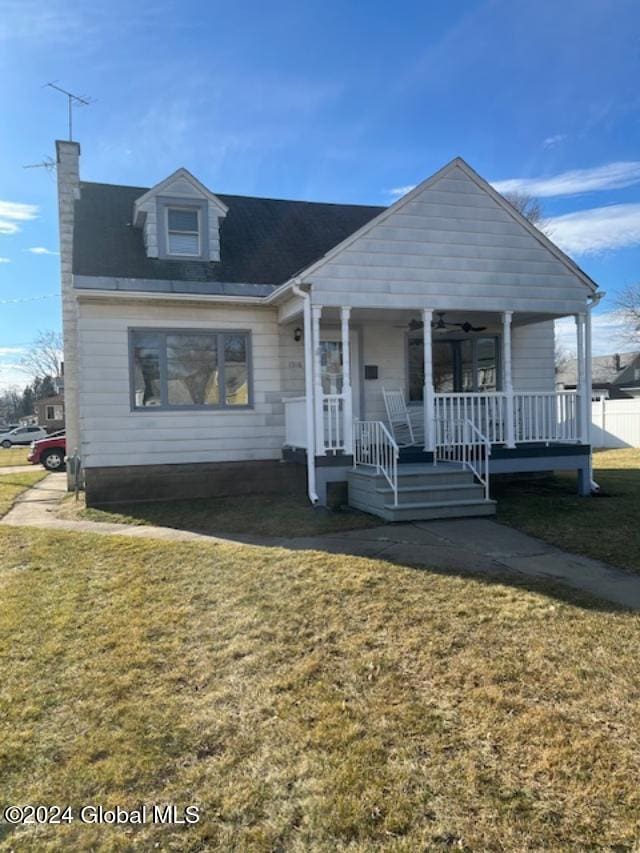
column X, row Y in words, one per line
column 22, row 435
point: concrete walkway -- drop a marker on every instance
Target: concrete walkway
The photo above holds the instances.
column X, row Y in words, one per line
column 18, row 469
column 480, row 546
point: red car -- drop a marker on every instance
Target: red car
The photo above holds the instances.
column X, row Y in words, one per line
column 49, row 452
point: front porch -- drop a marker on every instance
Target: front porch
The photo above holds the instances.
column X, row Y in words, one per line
column 455, row 376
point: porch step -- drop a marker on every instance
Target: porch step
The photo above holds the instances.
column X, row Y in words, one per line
column 434, row 494
column 424, row 492
column 425, row 511
column 416, row 475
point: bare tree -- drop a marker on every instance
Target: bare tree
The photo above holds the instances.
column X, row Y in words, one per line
column 529, row 207
column 562, row 358
column 628, row 306
column 44, row 356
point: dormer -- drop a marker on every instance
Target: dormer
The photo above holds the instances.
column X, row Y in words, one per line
column 180, row 219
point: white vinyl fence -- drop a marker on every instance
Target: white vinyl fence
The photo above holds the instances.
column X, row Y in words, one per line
column 615, row 423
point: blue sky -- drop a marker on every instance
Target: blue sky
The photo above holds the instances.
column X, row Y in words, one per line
column 322, row 100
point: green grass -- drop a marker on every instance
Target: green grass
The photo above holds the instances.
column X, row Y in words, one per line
column 309, row 702
column 256, row 515
column 606, row 527
column 13, row 456
column 12, row 485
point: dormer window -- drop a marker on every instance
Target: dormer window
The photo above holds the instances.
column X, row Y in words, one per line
column 183, row 231
column 180, row 219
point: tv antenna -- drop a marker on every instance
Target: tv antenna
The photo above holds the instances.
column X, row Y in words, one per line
column 72, row 101
column 47, row 163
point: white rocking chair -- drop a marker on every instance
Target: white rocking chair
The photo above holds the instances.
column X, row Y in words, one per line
column 398, row 417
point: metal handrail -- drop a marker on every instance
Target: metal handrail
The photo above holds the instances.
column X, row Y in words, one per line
column 374, row 446
column 462, row 442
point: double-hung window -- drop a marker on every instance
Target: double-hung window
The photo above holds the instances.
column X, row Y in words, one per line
column 183, row 231
column 190, row 369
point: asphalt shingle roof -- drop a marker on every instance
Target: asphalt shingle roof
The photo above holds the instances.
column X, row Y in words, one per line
column 262, row 240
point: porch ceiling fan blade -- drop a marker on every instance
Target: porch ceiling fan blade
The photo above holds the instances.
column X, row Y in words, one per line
column 467, row 327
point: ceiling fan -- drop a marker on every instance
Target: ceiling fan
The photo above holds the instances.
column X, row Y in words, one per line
column 441, row 325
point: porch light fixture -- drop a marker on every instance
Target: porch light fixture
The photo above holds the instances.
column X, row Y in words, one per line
column 297, row 334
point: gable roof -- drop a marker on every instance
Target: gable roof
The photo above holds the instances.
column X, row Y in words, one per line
column 185, row 175
column 606, row 369
column 456, row 163
column 264, row 241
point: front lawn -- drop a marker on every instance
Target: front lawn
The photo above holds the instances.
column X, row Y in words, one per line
column 253, row 516
column 13, row 456
column 308, row 701
column 606, row 527
column 12, row 485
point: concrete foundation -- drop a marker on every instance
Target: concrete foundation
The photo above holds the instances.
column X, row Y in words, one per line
column 133, row 483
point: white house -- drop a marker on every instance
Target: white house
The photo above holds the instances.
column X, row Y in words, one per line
column 220, row 344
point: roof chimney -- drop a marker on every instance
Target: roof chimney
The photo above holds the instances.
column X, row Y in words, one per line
column 68, row 173
column 616, row 362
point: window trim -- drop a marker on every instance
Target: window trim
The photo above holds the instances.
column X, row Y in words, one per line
column 166, row 331
column 163, row 205
column 168, row 231
column 457, row 363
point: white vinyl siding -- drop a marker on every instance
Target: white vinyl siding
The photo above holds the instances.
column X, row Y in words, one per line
column 451, row 246
column 533, row 357
column 113, row 434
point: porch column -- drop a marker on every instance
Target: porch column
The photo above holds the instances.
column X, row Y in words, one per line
column 427, row 392
column 347, row 397
column 581, row 385
column 316, row 313
column 507, row 380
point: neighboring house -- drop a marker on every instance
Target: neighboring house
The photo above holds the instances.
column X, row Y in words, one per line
column 614, row 376
column 28, row 420
column 221, row 344
column 50, row 412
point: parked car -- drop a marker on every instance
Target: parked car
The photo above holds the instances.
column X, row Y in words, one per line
column 7, row 428
column 49, row 452
column 23, row 435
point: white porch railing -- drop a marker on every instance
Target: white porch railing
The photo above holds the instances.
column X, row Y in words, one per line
column 295, row 421
column 460, row 441
column 545, row 416
column 333, row 421
column 374, row 446
column 538, row 416
column 487, row 411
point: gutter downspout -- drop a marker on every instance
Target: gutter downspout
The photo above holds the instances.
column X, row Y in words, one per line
column 308, row 390
column 595, row 299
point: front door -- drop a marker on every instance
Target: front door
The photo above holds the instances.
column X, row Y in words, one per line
column 331, row 365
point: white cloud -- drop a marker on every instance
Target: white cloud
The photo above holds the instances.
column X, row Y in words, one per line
column 13, row 213
column 398, row 192
column 5, row 260
column 611, row 176
column 40, row 250
column 596, row 230
column 552, row 141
